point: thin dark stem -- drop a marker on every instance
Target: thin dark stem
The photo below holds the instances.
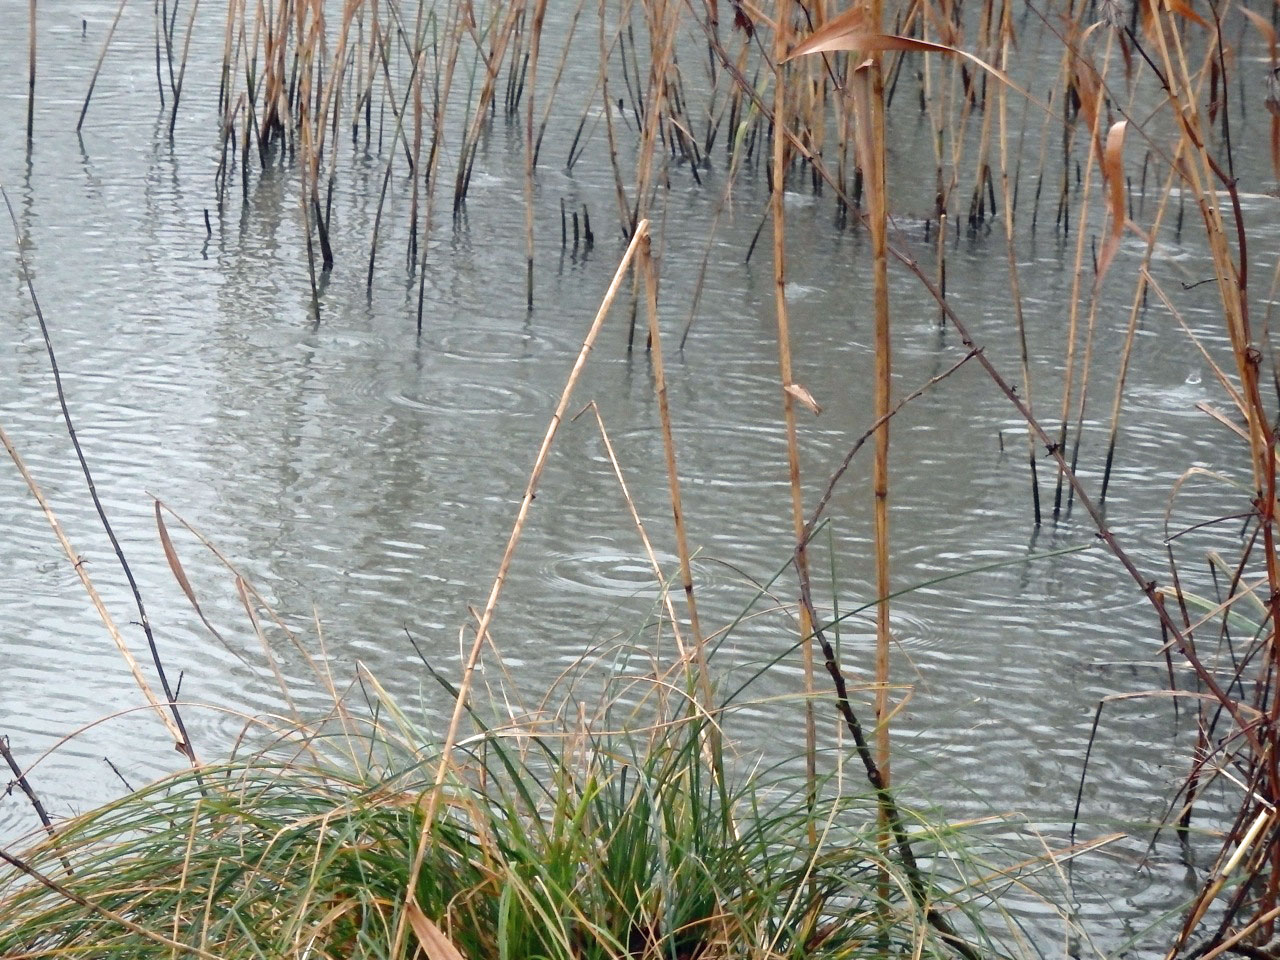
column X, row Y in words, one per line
column 185, row 746
column 20, row 779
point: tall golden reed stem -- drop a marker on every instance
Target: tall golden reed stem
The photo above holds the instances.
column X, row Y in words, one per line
column 486, row 617
column 778, row 214
column 869, row 92
column 673, row 475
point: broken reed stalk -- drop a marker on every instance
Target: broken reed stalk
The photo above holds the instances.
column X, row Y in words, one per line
column 102, row 55
column 686, row 654
column 778, row 214
column 444, row 762
column 1015, row 286
column 530, row 159
column 31, row 69
column 673, row 475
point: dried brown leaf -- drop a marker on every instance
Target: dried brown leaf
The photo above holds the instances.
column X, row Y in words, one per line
column 434, row 943
column 1113, row 173
column 849, row 31
column 180, row 574
column 805, row 397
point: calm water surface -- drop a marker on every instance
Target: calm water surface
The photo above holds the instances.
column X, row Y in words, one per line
column 367, row 478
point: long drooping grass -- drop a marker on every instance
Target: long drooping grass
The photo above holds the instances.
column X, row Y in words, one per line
column 808, row 94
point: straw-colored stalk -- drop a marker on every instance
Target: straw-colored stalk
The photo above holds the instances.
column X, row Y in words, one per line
column 81, row 568
column 649, row 552
column 461, row 701
column 535, row 42
column 102, row 55
column 778, row 212
column 1096, row 91
column 869, row 106
column 663, row 21
column 1015, row 287
column 1135, row 309
column 673, row 476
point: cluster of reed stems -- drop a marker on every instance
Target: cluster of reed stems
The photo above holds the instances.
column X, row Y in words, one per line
column 807, row 93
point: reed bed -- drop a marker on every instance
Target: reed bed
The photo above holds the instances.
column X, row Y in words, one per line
column 806, row 96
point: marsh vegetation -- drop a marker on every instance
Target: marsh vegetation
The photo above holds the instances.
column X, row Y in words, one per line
column 1012, row 214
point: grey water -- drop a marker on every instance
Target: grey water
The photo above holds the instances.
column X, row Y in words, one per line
column 365, row 478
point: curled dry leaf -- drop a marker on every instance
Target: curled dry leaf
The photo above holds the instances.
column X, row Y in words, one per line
column 432, row 939
column 805, row 397
column 1113, row 172
column 851, row 31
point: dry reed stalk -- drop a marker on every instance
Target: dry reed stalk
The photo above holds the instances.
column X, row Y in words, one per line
column 445, row 764
column 415, row 88
column 869, row 95
column 982, row 165
column 1135, row 309
column 182, row 65
column 778, row 215
column 555, row 81
column 157, row 27
column 530, row 159
column 1111, row 167
column 492, row 66
column 440, row 102
column 20, row 778
column 1096, row 91
column 183, row 740
column 79, row 565
column 620, row 192
column 229, row 32
column 663, row 20
column 1015, row 286
column 686, row 654
column 306, row 165
column 31, row 68
column 102, row 55
column 650, row 273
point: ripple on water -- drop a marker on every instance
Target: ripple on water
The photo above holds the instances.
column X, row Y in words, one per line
column 909, row 630
column 473, row 397
column 497, row 344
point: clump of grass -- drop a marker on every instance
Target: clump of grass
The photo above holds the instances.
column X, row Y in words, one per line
column 612, row 837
